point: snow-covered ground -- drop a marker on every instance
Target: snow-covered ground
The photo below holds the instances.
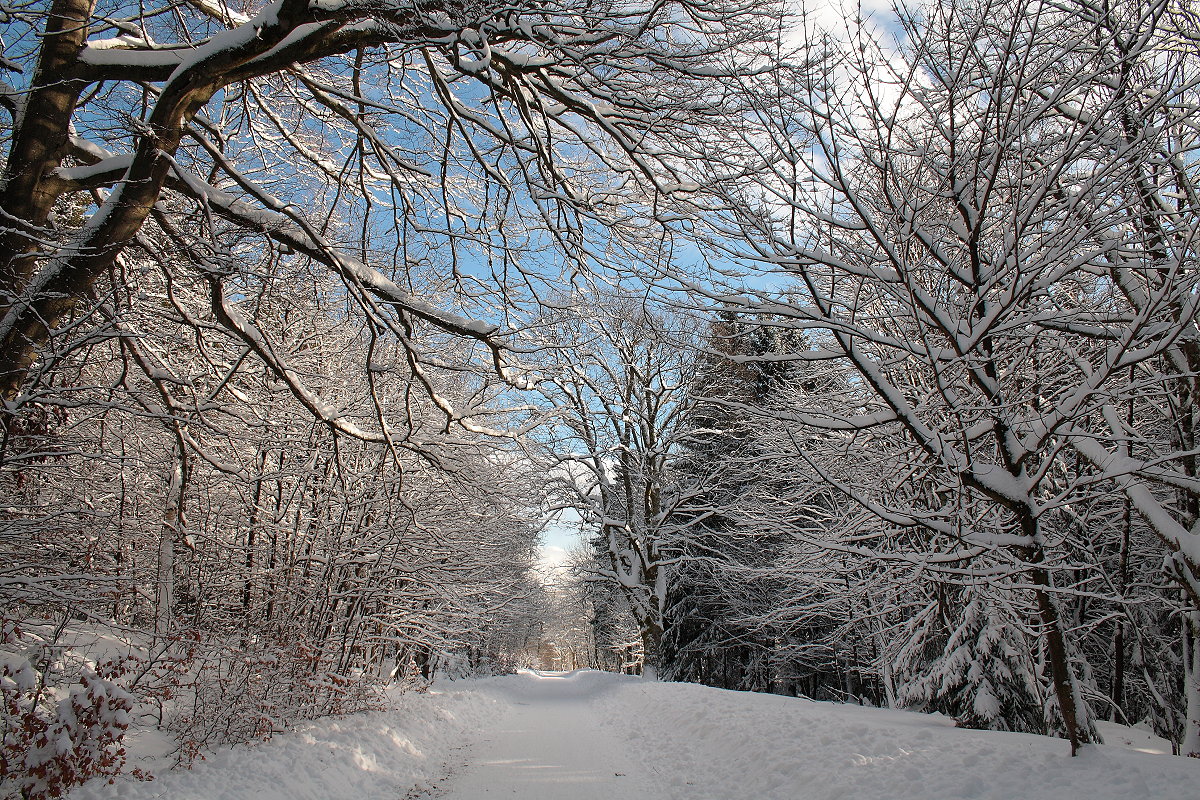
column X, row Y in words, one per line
column 708, row 744
column 582, row 735
column 392, row 755
column 552, row 744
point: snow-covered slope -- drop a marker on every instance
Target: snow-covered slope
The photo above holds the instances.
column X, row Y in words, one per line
column 573, row 736
column 715, row 745
column 391, row 754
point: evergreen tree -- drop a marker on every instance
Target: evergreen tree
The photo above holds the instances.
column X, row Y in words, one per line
column 973, row 666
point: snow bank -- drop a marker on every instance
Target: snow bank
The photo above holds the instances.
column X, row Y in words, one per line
column 707, row 744
column 390, row 754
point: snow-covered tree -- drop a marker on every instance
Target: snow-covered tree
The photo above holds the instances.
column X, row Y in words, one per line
column 617, row 374
column 261, row 565
column 724, row 587
column 261, row 266
column 988, row 226
column 365, row 137
column 975, row 666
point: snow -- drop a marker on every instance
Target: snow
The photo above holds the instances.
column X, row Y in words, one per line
column 108, row 164
column 387, row 754
column 550, row 745
column 586, row 734
column 100, row 54
column 220, row 10
column 723, row 744
column 1136, row 737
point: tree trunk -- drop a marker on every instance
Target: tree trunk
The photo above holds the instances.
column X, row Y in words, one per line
column 172, row 516
column 1060, row 667
column 1190, row 746
column 651, row 647
column 39, row 144
column 1056, row 642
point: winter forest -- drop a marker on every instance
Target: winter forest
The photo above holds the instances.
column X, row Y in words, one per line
column 858, row 342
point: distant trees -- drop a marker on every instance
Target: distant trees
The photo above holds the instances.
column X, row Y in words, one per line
column 617, row 373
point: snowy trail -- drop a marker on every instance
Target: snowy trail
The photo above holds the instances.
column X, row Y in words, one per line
column 551, row 744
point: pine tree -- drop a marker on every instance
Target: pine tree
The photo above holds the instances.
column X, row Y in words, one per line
column 974, row 667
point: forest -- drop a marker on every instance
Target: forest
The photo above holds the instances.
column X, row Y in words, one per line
column 859, row 342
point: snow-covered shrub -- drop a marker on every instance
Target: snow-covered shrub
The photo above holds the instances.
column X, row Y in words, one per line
column 58, row 734
column 247, row 693
column 974, row 667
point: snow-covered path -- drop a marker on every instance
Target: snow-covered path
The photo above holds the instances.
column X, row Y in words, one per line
column 551, row 744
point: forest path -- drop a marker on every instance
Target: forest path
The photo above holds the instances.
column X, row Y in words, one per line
column 549, row 745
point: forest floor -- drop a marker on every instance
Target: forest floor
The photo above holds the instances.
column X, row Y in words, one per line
column 583, row 735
